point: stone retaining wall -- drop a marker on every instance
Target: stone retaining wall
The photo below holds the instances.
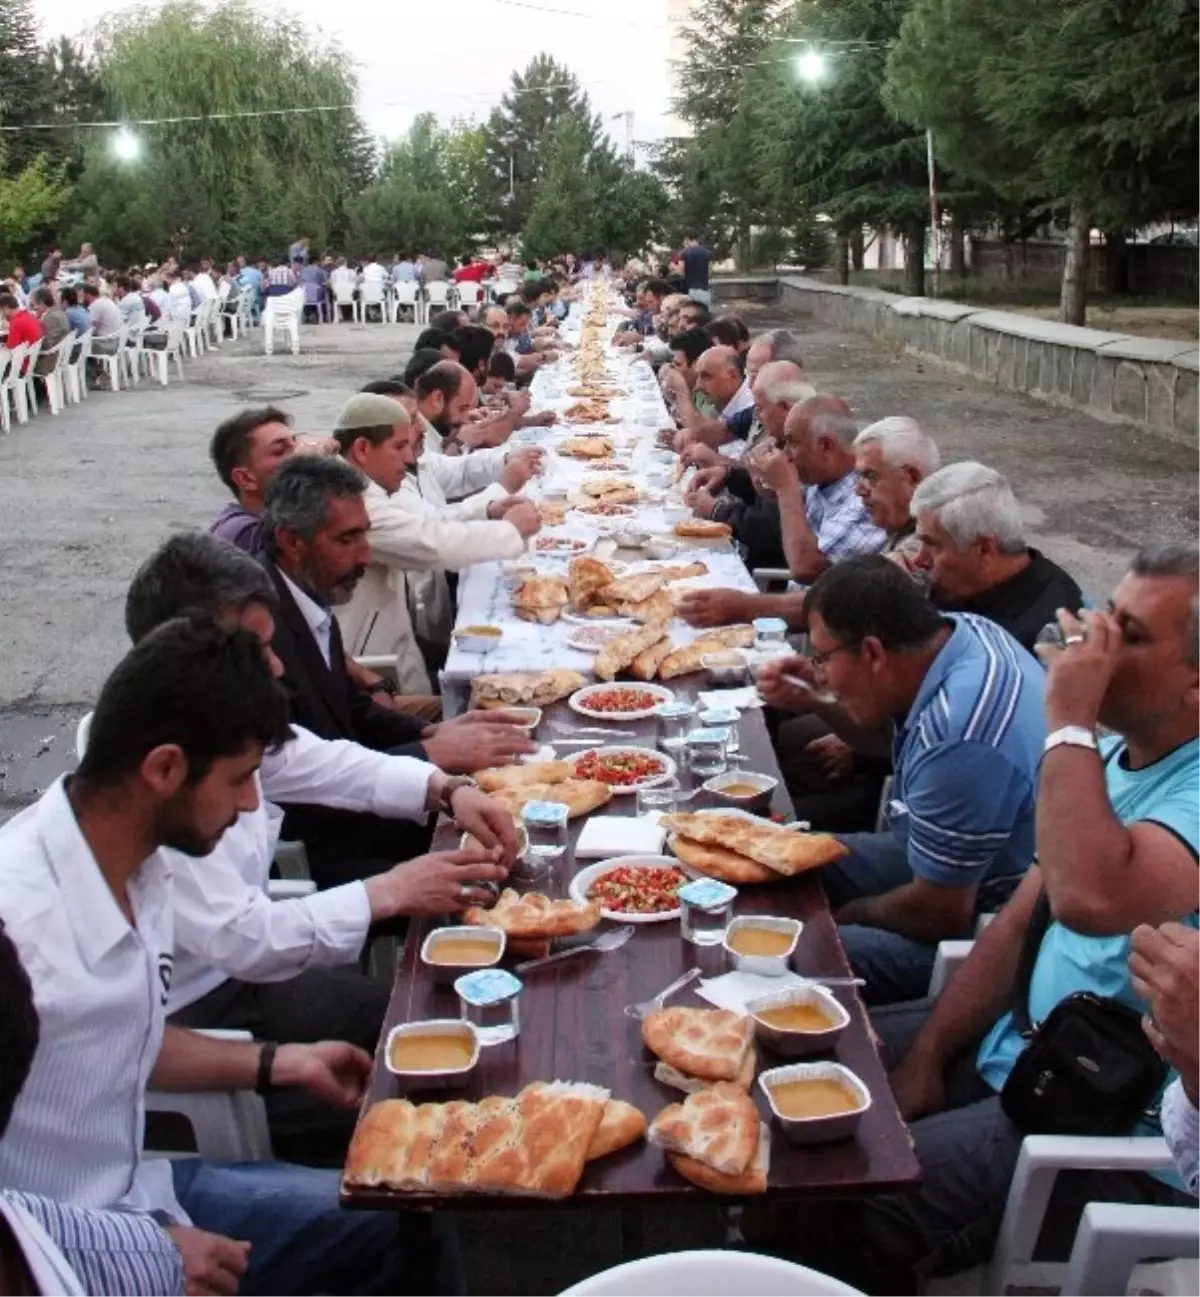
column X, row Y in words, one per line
column 1150, row 382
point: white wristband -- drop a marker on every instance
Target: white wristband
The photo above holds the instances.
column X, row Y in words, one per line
column 1072, row 736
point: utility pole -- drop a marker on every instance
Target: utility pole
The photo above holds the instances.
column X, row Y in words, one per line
column 629, row 152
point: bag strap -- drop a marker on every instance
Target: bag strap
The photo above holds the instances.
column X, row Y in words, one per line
column 1039, row 922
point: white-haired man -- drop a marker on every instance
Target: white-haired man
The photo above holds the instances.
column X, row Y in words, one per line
column 972, row 545
column 892, row 457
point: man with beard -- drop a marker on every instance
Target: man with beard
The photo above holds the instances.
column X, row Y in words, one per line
column 403, row 605
column 178, row 732
column 315, row 528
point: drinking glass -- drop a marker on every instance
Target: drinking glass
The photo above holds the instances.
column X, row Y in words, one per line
column 674, row 722
column 662, row 799
column 706, row 752
column 546, row 825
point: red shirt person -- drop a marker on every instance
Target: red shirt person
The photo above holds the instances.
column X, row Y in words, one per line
column 470, row 271
column 23, row 325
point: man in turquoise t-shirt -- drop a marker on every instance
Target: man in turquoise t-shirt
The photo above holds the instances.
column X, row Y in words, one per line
column 1117, row 835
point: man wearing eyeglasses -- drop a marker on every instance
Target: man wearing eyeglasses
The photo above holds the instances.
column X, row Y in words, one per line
column 961, row 704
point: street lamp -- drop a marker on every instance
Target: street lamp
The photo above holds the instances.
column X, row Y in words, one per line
column 125, row 145
column 810, row 65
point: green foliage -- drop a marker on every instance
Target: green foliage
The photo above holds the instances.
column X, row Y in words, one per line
column 426, row 197
column 253, row 182
column 25, row 89
column 30, row 201
column 563, row 213
column 519, row 139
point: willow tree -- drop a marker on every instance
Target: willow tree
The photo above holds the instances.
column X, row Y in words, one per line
column 275, row 148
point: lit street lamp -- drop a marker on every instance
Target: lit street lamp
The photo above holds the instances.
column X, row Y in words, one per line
column 811, row 66
column 125, row 145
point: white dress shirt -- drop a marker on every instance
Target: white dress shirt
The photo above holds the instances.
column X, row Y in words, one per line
column 318, row 619
column 1181, row 1130
column 204, row 285
column 100, row 986
column 226, row 925
column 374, row 273
column 180, row 301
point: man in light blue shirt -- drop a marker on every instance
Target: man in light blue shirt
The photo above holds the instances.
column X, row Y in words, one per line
column 1118, row 828
column 404, row 271
column 964, row 701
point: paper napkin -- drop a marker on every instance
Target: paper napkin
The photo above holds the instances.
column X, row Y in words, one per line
column 620, row 835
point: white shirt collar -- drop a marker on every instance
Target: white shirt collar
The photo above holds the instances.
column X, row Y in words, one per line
column 741, row 400
column 317, row 619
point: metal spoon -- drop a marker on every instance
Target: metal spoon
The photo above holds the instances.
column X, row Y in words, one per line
column 646, row 1007
column 611, row 940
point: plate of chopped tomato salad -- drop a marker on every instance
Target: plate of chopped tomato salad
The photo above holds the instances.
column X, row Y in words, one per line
column 632, row 889
column 605, row 702
column 624, row 770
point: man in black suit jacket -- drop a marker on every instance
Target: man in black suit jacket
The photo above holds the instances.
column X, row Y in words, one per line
column 315, row 536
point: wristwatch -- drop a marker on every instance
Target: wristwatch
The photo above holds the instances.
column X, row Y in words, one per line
column 451, row 786
column 1071, row 736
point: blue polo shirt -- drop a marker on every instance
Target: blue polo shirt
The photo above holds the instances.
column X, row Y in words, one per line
column 1163, row 793
column 966, row 762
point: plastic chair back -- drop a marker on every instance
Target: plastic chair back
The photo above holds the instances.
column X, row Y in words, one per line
column 437, row 292
column 469, row 293
column 710, row 1274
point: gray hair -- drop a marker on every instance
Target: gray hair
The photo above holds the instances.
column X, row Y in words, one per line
column 780, row 383
column 828, row 423
column 194, row 572
column 1179, row 560
column 299, row 493
column 971, row 500
column 903, row 443
column 784, row 345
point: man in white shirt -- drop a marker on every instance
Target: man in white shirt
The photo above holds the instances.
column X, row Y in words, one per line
column 284, row 970
column 179, row 302
column 203, row 281
column 86, row 897
column 106, row 320
column 373, row 272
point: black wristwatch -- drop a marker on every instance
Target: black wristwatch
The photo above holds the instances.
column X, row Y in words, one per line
column 451, row 786
column 266, row 1061
column 383, row 686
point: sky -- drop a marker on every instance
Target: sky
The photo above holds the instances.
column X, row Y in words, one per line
column 455, row 59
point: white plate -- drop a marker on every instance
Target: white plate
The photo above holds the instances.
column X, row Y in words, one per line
column 578, row 701
column 667, row 773
column 578, row 637
column 584, row 879
column 578, row 619
column 559, row 547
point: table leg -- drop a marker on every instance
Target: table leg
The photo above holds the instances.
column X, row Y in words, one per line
column 632, row 1242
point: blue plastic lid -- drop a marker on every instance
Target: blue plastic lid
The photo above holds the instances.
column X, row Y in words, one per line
column 707, row 893
column 487, row 986
column 707, row 736
column 545, row 812
column 770, row 625
column 721, row 716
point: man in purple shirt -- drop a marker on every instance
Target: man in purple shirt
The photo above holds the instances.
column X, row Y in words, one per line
column 247, row 450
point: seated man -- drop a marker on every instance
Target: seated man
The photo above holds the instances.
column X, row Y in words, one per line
column 972, row 546
column 277, row 969
column 719, row 379
column 416, row 537
column 1117, row 837
column 86, row 897
column 48, row 1246
column 966, row 703
column 315, row 526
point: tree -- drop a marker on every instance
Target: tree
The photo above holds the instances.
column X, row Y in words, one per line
column 563, row 216
column 25, row 92
column 254, row 182
column 539, row 100
column 30, row 201
column 630, row 212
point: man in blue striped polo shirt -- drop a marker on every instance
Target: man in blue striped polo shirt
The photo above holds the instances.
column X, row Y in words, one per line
column 963, row 701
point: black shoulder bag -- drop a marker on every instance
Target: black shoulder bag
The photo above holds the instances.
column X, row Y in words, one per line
column 1087, row 1069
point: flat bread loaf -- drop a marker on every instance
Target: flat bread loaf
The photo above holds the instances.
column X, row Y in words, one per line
column 524, row 688
column 620, row 1126
column 703, row 529
column 660, row 607
column 689, row 658
column 635, row 588
column 586, row 577
column 752, row 1180
column 645, row 665
column 619, row 652
column 677, row 1080
column 535, row 1144
column 541, row 599
column 534, row 916
column 579, row 796
column 529, row 772
column 718, row 1127
column 786, row 851
column 716, row 862
column 708, row 1043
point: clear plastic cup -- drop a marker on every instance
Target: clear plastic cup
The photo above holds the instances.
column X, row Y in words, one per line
column 706, row 752
column 662, row 799
column 674, row 723
column 706, row 907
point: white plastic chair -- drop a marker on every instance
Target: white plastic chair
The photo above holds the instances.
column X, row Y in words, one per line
column 21, row 377
column 468, row 293
column 133, row 351
column 159, row 358
column 283, row 313
column 6, row 357
column 437, row 295
column 75, row 371
column 229, row 1125
column 406, row 296
column 114, row 361
column 193, row 331
column 53, row 381
column 343, row 295
column 371, row 294
column 710, row 1274
column 214, row 326
column 1114, row 1238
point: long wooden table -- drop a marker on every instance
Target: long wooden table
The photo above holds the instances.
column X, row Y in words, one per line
column 573, row 1027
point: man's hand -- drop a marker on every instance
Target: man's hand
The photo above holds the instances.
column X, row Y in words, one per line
column 325, row 446
column 1078, row 676
column 918, row 1086
column 518, row 402
column 715, row 607
column 711, row 478
column 212, row 1263
column 543, row 419
column 487, row 821
column 777, row 471
column 435, row 883
column 673, row 382
column 1165, row 965
column 834, row 755
column 786, row 694
column 519, row 467
column 331, row 1070
column 525, row 518
column 703, row 503
column 459, row 748
column 701, row 455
